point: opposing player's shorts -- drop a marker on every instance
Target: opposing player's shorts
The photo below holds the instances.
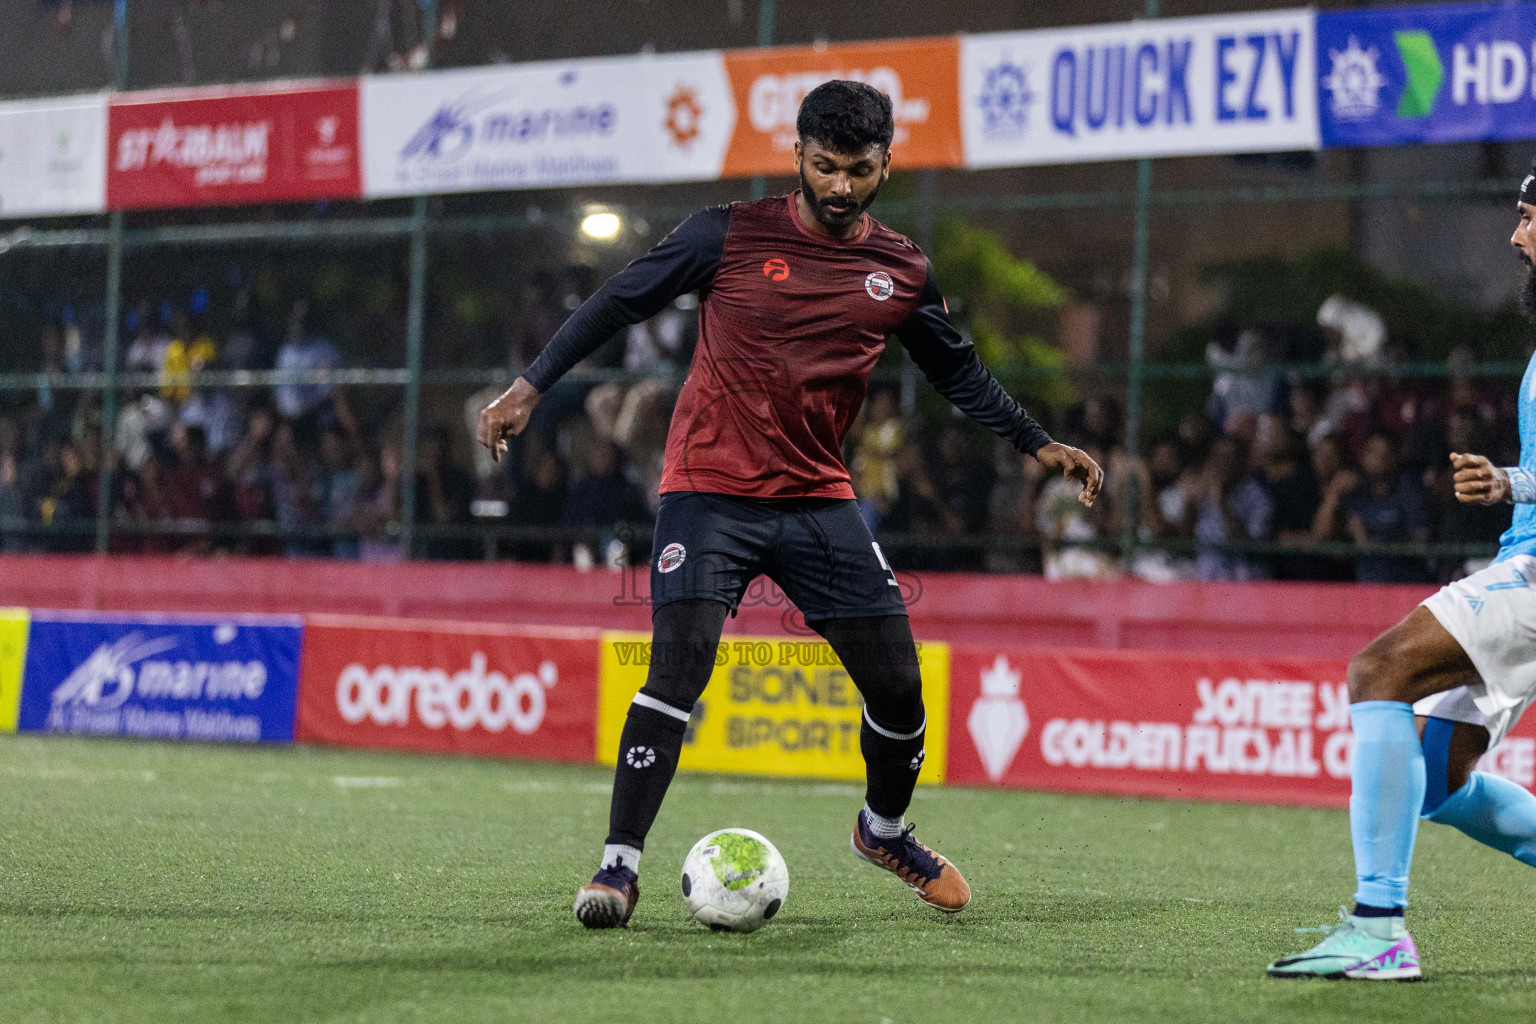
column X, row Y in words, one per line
column 818, row 550
column 1492, row 615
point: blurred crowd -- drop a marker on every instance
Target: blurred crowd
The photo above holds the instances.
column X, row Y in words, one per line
column 1277, row 475
column 1281, row 474
column 315, row 469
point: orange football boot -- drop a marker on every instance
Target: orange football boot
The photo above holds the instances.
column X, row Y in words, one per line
column 935, row 880
column 609, row 899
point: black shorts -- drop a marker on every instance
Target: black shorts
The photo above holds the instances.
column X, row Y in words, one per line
column 818, row 550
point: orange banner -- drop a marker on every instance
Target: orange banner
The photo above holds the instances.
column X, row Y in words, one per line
column 921, row 76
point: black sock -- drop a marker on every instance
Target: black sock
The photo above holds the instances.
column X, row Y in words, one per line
column 648, row 751
column 881, row 658
column 892, row 759
column 685, row 635
column 1364, row 910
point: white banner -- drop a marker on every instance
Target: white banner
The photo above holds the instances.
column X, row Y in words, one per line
column 1179, row 86
column 608, row 120
column 53, row 156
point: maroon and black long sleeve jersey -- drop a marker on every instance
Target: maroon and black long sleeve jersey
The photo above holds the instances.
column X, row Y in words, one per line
column 790, row 326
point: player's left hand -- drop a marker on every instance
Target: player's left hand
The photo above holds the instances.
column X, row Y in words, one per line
column 1478, row 481
column 1074, row 464
column 506, row 417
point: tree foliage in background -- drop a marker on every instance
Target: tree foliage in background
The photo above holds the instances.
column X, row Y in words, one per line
column 1001, row 302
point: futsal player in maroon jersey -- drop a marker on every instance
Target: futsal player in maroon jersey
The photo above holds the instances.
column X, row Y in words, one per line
column 798, row 294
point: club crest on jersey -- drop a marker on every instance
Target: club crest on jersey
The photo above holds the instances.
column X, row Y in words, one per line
column 671, row 557
column 880, row 286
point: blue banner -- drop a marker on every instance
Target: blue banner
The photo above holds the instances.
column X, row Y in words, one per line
column 1452, row 73
column 228, row 679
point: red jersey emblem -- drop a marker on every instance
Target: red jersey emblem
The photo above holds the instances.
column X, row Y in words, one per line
column 880, row 286
column 776, row 270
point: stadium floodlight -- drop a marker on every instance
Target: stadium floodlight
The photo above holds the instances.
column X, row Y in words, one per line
column 601, row 224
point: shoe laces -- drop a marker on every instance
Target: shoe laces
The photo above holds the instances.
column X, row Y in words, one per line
column 616, row 877
column 1339, row 935
column 1329, row 929
column 912, row 856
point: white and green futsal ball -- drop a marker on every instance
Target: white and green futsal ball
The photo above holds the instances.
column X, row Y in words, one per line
column 734, row 880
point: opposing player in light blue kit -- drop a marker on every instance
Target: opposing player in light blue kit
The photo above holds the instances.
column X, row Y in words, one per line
column 1429, row 696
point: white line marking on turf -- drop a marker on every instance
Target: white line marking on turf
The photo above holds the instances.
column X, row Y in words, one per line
column 367, row 781
column 770, row 788
column 542, row 786
column 70, row 773
column 840, row 790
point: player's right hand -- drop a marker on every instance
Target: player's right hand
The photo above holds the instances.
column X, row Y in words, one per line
column 506, row 417
column 1074, row 464
column 1478, row 481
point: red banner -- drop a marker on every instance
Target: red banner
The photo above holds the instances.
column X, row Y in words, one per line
column 258, row 144
column 449, row 687
column 1185, row 726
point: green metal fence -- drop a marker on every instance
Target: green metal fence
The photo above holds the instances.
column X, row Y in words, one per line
column 421, row 227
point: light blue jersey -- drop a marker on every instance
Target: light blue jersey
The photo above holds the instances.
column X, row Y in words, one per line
column 1520, row 538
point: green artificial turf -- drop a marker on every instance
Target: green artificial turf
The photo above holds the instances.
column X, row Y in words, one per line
column 146, row 882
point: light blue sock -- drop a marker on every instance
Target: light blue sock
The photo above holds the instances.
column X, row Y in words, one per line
column 1495, row 812
column 1386, row 795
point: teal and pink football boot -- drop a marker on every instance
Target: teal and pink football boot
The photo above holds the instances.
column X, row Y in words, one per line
column 1358, row 948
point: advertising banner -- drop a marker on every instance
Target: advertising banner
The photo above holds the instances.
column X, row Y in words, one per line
column 1184, row 726
column 1240, row 83
column 549, row 124
column 1280, row 80
column 53, row 156
column 773, row 706
column 919, row 76
column 13, row 655
column 464, row 688
column 227, row 678
column 280, row 142
column 1451, row 73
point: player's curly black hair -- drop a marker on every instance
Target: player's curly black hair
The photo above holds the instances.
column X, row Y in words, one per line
column 846, row 117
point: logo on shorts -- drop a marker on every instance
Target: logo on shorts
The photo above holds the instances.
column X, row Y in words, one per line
column 917, row 762
column 776, row 269
column 671, row 557
column 880, row 286
column 640, row 757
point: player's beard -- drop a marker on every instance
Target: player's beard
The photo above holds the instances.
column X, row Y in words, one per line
column 833, row 216
column 1528, row 288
